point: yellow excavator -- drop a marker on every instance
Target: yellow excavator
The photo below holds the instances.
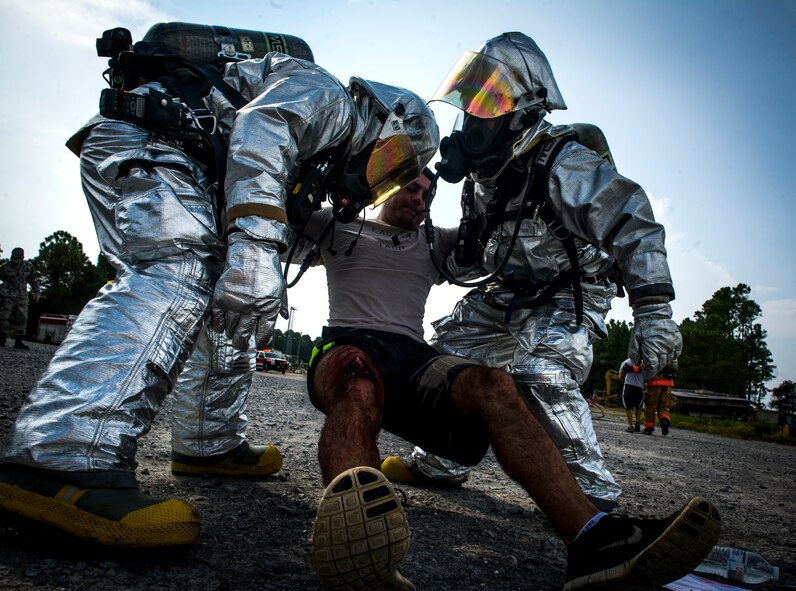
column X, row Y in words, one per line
column 612, row 395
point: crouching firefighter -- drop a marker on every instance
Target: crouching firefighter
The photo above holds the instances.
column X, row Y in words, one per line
column 554, row 227
column 171, row 138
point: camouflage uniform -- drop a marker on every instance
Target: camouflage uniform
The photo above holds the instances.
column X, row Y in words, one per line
column 15, row 275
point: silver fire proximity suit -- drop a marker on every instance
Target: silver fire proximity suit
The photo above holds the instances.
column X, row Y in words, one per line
column 540, row 342
column 155, row 214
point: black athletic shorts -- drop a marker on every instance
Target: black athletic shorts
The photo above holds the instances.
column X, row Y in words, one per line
column 632, row 396
column 417, row 400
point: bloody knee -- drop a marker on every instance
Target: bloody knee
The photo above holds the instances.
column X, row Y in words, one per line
column 346, row 371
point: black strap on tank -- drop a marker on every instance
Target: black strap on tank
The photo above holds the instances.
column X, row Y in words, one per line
column 542, row 158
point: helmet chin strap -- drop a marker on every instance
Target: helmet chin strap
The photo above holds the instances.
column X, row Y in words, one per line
column 354, row 193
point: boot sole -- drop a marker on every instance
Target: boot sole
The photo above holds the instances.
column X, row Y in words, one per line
column 180, row 469
column 361, row 534
column 270, row 462
column 170, row 523
column 674, row 554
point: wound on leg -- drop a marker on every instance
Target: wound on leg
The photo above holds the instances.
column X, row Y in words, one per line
column 348, row 364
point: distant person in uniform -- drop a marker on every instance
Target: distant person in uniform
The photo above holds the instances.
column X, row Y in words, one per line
column 632, row 394
column 658, row 399
column 16, row 275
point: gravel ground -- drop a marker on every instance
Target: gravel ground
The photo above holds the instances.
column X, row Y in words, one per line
column 488, row 535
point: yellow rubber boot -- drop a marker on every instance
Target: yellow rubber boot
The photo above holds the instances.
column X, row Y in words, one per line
column 394, row 468
column 109, row 516
column 249, row 461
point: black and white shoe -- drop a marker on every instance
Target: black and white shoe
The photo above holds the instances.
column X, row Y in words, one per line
column 626, row 554
column 361, row 534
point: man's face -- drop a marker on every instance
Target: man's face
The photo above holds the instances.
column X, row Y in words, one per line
column 405, row 209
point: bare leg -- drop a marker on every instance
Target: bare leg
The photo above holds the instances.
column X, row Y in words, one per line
column 364, row 551
column 522, row 447
column 629, row 414
column 351, row 392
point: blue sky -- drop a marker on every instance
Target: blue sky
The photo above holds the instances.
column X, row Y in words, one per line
column 696, row 98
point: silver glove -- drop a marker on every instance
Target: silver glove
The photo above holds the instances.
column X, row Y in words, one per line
column 655, row 340
column 249, row 293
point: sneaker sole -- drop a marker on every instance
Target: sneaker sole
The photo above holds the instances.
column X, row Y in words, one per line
column 361, row 534
column 170, row 523
column 674, row 554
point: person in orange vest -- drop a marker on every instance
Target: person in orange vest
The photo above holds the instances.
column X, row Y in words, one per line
column 658, row 398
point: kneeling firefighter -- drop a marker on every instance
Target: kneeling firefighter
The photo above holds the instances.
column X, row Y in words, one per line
column 173, row 136
column 556, row 228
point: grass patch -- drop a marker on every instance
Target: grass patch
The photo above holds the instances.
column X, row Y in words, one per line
column 748, row 430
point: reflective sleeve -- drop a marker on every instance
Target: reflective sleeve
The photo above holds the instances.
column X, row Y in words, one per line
column 613, row 213
column 297, row 111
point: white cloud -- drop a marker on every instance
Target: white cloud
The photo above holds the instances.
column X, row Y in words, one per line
column 779, row 318
column 80, row 22
column 661, row 207
column 779, row 322
column 761, row 291
column 696, row 279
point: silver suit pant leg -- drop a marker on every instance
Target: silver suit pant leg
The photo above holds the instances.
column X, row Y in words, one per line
column 154, row 213
column 108, row 378
column 209, row 417
column 557, row 403
column 547, row 354
column 437, row 468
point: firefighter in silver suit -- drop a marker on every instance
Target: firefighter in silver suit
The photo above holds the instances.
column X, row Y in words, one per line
column 190, row 279
column 505, row 89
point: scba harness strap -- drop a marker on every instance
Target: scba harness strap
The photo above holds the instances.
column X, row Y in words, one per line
column 538, row 207
column 180, row 116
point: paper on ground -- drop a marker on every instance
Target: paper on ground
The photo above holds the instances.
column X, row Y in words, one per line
column 695, row 583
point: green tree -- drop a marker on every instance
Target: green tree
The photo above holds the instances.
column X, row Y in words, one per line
column 609, row 353
column 279, row 340
column 725, row 349
column 783, row 397
column 68, row 278
column 711, row 358
column 294, row 343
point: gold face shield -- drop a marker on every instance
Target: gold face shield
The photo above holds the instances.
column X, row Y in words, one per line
column 482, row 86
column 392, row 164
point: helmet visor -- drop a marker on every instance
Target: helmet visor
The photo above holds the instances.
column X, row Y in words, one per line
column 482, row 86
column 392, row 164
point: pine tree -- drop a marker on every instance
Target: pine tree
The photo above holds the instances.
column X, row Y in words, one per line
column 724, row 349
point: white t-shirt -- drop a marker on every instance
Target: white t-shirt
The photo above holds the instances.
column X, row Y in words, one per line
column 381, row 285
column 632, row 378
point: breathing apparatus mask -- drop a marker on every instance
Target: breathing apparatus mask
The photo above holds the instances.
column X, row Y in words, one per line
column 482, row 146
column 502, row 90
